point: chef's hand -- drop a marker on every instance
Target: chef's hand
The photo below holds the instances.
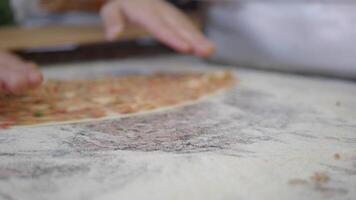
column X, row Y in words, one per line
column 161, row 19
column 16, row 75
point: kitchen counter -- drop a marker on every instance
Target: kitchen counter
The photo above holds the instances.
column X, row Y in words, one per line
column 273, row 136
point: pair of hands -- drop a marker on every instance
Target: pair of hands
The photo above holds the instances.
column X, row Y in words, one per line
column 161, row 19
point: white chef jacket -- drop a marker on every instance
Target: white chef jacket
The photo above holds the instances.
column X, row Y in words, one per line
column 301, row 36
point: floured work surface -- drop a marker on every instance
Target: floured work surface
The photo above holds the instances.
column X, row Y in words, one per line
column 59, row 101
column 273, row 136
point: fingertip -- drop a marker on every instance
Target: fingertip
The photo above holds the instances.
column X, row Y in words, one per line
column 35, row 78
column 16, row 84
column 177, row 44
column 32, row 65
column 205, row 49
column 113, row 20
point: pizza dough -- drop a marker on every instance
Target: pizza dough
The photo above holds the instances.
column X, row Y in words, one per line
column 67, row 101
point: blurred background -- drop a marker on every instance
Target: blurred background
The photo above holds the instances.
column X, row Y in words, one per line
column 52, row 31
column 305, row 36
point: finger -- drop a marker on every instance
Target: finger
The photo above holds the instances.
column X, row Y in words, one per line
column 114, row 21
column 168, row 36
column 9, row 60
column 14, row 82
column 32, row 65
column 162, row 31
column 2, row 87
column 34, row 76
column 182, row 25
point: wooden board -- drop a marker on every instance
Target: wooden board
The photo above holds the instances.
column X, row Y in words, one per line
column 15, row 38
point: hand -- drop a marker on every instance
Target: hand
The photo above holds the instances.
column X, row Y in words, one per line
column 161, row 19
column 16, row 75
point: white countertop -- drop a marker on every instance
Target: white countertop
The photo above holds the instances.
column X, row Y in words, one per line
column 264, row 139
